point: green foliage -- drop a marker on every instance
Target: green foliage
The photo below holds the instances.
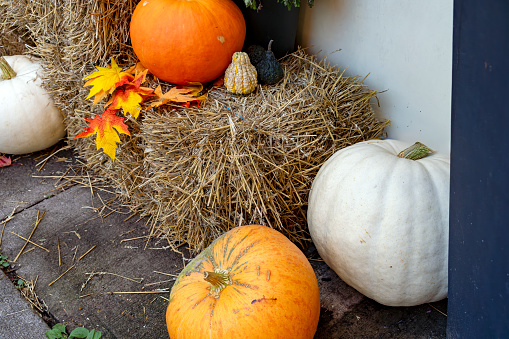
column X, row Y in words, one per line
column 59, row 332
column 82, row 332
column 253, row 4
column 20, row 284
column 3, row 261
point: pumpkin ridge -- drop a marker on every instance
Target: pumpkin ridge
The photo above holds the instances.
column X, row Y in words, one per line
column 212, row 313
column 212, row 306
column 227, row 241
column 235, row 264
column 196, row 304
column 246, row 285
column 211, row 258
column 226, row 244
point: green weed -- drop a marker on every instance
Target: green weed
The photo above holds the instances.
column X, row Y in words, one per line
column 59, row 332
column 3, row 261
column 20, row 284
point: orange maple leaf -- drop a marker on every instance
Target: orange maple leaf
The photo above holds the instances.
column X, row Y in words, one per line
column 178, row 95
column 107, row 128
column 130, row 96
column 138, row 68
column 105, row 80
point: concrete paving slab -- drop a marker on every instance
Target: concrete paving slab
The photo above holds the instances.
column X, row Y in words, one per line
column 113, row 287
column 17, row 319
column 22, row 185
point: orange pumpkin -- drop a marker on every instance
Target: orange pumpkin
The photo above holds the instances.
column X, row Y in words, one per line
column 182, row 41
column 251, row 282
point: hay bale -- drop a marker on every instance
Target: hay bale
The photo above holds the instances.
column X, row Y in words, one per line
column 197, row 172
column 13, row 40
column 236, row 160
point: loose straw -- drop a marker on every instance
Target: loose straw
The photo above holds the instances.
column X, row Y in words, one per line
column 87, row 252
column 30, row 241
column 38, row 220
column 54, row 281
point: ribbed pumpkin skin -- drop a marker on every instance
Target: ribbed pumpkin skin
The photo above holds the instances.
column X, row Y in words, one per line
column 382, row 222
column 274, row 293
column 182, row 41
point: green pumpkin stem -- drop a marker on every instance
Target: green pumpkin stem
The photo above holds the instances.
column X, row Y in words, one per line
column 416, row 151
column 7, row 71
column 218, row 280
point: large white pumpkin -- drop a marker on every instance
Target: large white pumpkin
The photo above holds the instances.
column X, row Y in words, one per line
column 381, row 222
column 29, row 120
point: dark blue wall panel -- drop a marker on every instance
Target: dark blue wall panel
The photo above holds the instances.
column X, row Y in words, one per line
column 478, row 305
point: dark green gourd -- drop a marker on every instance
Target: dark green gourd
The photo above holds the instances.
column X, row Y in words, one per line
column 255, row 53
column 269, row 69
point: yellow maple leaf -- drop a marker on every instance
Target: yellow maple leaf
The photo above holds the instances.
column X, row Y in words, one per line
column 105, row 80
column 178, row 95
column 130, row 96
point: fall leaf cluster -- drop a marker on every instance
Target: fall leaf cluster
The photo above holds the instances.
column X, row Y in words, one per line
column 126, row 94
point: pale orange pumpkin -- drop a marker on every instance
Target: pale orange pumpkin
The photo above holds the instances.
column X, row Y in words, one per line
column 251, row 282
column 182, row 41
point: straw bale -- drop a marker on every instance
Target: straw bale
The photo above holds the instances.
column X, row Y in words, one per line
column 235, row 160
column 197, row 172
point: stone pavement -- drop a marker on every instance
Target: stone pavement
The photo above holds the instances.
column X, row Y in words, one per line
column 89, row 263
column 17, row 318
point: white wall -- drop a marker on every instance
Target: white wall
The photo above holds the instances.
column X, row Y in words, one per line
column 404, row 45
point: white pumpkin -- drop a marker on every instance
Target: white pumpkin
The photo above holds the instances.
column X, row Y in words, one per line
column 29, row 120
column 381, row 222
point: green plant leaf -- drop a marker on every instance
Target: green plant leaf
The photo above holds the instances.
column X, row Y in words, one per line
column 79, row 332
column 59, row 327
column 57, row 332
column 3, row 260
column 52, row 334
column 20, row 284
column 93, row 334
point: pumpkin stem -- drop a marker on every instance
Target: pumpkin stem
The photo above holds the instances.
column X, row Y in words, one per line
column 416, row 151
column 218, row 280
column 7, row 71
column 270, row 45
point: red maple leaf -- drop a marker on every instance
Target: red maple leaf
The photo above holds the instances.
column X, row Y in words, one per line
column 130, row 96
column 5, row 161
column 107, row 128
